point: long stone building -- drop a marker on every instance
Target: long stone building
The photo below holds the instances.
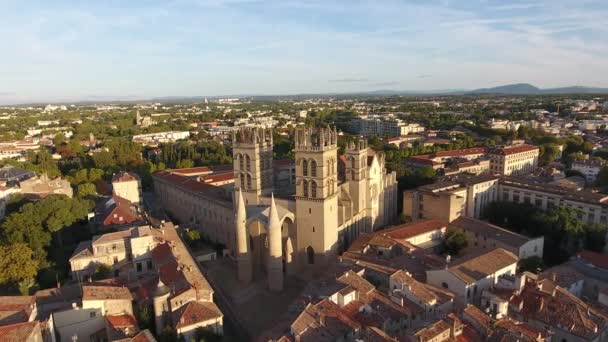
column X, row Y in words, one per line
column 278, row 225
column 468, row 195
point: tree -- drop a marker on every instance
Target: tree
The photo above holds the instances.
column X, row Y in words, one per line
column 17, row 264
column 86, row 190
column 549, row 153
column 168, row 334
column 193, row 237
column 602, row 178
column 102, row 271
column 204, row 335
column 454, row 242
column 144, row 317
column 103, row 160
column 21, row 228
column 533, row 264
column 34, row 223
column 595, row 237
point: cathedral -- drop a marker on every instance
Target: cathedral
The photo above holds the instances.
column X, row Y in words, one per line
column 283, row 217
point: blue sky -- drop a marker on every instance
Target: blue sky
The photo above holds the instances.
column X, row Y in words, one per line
column 66, row 50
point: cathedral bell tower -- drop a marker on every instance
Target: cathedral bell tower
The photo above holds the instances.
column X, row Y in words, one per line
column 252, row 155
column 356, row 172
column 316, row 153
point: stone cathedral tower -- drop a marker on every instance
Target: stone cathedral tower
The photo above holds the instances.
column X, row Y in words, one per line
column 356, row 174
column 252, row 155
column 316, row 153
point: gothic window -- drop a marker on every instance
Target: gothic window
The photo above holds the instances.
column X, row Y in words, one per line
column 243, row 180
column 352, row 174
column 311, row 255
column 352, row 162
column 249, row 182
column 304, row 168
column 240, row 156
column 305, row 188
column 248, row 162
column 313, row 168
column 313, row 189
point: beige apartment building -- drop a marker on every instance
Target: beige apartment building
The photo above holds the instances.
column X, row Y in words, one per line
column 127, row 185
column 465, row 195
column 468, row 195
column 514, row 160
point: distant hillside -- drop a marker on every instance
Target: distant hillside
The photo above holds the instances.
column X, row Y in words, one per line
column 518, row 88
column 528, row 89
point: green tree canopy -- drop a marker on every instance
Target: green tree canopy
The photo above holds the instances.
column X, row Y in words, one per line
column 17, row 264
column 454, row 242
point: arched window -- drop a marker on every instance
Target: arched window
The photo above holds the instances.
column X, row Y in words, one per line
column 248, row 162
column 313, row 189
column 352, row 162
column 240, row 157
column 243, row 181
column 313, row 168
column 352, row 174
column 304, row 168
column 249, row 182
column 311, row 255
column 305, row 188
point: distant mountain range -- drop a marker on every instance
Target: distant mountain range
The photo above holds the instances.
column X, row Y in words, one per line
column 510, row 89
column 528, row 89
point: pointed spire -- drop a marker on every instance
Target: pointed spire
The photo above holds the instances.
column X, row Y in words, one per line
column 241, row 212
column 273, row 220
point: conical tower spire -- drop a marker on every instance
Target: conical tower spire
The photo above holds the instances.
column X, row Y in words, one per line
column 275, row 260
column 242, row 240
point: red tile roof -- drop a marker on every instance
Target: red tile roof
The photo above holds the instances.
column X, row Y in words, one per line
column 195, row 312
column 121, row 321
column 114, row 208
column 18, row 332
column 106, row 293
column 559, row 309
column 199, row 170
column 460, row 153
column 508, row 150
column 594, row 258
column 191, row 184
column 408, row 230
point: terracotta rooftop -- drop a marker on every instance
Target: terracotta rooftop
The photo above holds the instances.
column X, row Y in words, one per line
column 508, row 150
column 489, row 230
column 324, row 321
column 460, row 153
column 121, row 321
column 106, row 293
column 195, row 312
column 143, row 336
column 432, row 331
column 192, row 184
column 423, row 291
column 19, row 331
column 559, row 309
column 116, row 210
column 409, row 230
column 596, row 259
column 15, row 309
column 483, row 265
column 480, row 319
column 357, row 282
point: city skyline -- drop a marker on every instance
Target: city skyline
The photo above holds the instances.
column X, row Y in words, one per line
column 69, row 51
